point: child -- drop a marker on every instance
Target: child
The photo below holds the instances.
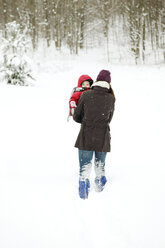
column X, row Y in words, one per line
column 84, row 83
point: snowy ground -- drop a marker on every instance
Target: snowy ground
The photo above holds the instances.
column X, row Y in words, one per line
column 39, row 203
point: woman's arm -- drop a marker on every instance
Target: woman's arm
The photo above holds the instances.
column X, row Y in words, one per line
column 79, row 111
column 112, row 111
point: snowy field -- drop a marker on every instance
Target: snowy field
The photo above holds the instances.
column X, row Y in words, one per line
column 39, row 202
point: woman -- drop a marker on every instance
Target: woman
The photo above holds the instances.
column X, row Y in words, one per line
column 94, row 112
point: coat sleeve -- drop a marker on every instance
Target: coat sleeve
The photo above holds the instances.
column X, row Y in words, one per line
column 79, row 111
column 111, row 113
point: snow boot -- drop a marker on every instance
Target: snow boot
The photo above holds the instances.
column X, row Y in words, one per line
column 84, row 186
column 100, row 183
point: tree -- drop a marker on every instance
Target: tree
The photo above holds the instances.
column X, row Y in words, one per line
column 15, row 68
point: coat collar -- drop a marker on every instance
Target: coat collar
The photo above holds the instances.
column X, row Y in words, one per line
column 102, row 84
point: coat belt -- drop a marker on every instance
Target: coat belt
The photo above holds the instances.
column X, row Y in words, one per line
column 95, row 125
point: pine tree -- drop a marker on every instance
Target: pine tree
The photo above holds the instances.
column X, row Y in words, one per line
column 15, row 67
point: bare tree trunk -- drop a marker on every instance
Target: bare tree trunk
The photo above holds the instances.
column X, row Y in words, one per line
column 4, row 14
column 143, row 39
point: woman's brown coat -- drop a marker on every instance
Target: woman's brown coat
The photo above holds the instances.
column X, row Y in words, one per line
column 94, row 112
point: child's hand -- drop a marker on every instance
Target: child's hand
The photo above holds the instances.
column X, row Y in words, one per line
column 73, row 105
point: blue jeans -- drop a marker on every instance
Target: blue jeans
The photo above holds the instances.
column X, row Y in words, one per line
column 85, row 161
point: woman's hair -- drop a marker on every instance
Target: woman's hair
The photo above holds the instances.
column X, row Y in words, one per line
column 111, row 91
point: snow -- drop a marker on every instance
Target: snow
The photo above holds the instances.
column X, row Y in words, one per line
column 39, row 202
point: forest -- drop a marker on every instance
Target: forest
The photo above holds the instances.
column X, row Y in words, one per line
column 132, row 29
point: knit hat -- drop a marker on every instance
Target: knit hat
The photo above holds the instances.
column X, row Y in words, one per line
column 104, row 75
